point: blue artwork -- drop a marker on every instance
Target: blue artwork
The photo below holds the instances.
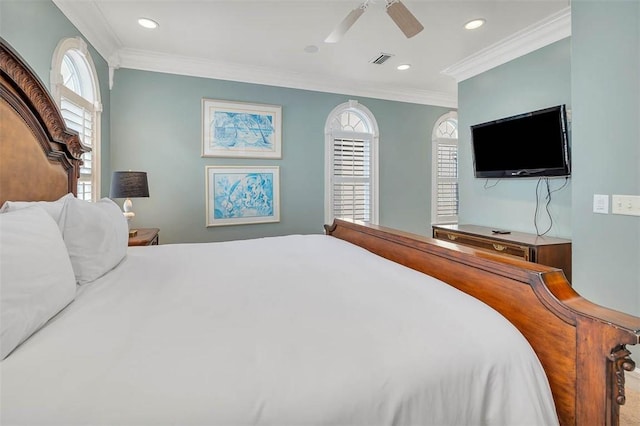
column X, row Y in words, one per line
column 243, row 195
column 242, row 131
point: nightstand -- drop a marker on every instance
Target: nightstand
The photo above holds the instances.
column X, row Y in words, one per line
column 145, row 237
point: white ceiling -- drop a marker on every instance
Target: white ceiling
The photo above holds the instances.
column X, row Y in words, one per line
column 264, row 41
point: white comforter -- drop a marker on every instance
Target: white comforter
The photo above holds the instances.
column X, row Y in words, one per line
column 296, row 330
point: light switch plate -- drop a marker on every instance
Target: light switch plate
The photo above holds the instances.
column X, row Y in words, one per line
column 601, row 203
column 625, row 204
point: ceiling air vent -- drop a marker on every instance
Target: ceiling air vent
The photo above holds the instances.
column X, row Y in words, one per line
column 381, row 58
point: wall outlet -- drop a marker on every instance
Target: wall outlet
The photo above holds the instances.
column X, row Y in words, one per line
column 625, row 204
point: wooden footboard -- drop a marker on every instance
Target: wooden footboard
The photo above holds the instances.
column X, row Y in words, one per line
column 581, row 345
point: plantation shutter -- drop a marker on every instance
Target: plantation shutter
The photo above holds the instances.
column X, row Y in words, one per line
column 446, row 181
column 351, row 183
column 78, row 116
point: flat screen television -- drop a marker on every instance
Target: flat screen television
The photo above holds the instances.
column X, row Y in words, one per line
column 534, row 144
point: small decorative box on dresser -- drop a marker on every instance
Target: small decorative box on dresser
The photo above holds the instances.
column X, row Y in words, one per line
column 145, row 237
column 544, row 250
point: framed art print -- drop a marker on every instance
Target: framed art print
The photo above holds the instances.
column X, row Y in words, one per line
column 242, row 130
column 242, row 195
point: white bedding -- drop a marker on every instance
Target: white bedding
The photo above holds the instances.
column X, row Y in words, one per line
column 296, row 330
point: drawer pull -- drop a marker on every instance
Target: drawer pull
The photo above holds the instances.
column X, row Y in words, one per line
column 452, row 237
column 499, row 247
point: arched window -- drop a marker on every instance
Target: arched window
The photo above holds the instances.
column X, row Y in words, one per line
column 351, row 164
column 74, row 83
column 444, row 178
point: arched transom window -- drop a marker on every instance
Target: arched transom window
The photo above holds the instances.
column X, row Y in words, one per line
column 444, row 189
column 351, row 164
column 74, row 83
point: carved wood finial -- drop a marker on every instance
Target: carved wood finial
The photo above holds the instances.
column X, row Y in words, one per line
column 621, row 362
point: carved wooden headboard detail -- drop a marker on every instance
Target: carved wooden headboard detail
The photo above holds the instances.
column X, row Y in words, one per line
column 39, row 156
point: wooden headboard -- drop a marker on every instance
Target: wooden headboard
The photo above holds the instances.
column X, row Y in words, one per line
column 39, row 156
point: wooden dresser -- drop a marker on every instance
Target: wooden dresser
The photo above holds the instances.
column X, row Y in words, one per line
column 544, row 250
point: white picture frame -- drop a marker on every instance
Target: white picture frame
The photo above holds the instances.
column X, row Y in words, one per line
column 238, row 195
column 241, row 130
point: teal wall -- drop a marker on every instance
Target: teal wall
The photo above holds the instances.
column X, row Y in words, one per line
column 597, row 73
column 606, row 132
column 34, row 28
column 156, row 127
column 534, row 81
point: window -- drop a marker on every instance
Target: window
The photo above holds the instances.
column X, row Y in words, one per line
column 351, row 164
column 74, row 84
column 444, row 190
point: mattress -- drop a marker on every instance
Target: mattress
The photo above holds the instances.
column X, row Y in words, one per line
column 292, row 330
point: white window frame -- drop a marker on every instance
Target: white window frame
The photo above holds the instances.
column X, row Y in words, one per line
column 93, row 105
column 437, row 140
column 331, row 134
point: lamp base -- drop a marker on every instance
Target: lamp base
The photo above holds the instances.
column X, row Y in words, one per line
column 133, row 233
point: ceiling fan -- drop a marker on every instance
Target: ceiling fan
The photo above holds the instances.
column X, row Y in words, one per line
column 404, row 19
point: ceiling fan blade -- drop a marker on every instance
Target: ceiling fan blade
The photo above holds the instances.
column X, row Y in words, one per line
column 404, row 19
column 346, row 23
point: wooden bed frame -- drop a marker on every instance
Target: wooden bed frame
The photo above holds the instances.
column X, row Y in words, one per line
column 580, row 345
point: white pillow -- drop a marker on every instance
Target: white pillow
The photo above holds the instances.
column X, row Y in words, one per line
column 96, row 235
column 54, row 208
column 36, row 277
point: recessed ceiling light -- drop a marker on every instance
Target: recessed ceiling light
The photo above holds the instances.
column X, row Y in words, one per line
column 311, row 48
column 148, row 23
column 476, row 23
column 403, row 67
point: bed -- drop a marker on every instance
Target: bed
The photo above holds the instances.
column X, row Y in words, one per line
column 364, row 325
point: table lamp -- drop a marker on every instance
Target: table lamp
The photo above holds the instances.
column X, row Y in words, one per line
column 129, row 185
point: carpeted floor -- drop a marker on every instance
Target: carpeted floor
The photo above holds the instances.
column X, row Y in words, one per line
column 630, row 411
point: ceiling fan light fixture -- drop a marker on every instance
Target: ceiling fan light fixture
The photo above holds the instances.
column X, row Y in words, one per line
column 403, row 18
column 346, row 23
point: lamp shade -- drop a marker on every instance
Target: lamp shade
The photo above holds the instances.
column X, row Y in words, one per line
column 129, row 185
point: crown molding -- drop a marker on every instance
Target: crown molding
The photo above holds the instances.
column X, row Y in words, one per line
column 196, row 67
column 89, row 20
column 551, row 29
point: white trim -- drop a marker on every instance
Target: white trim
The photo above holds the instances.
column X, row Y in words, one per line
column 328, row 161
column 551, row 29
column 90, row 21
column 442, row 119
column 63, row 46
column 55, row 75
column 57, row 89
column 197, row 67
column 434, row 166
column 351, row 104
column 113, row 66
